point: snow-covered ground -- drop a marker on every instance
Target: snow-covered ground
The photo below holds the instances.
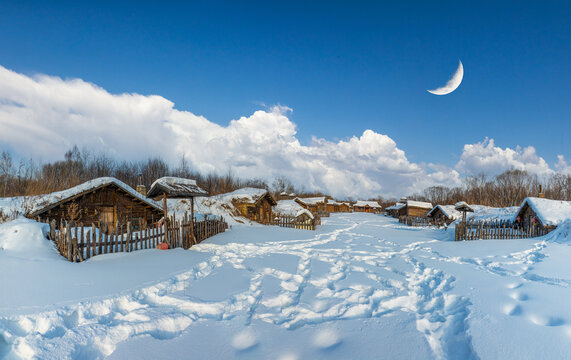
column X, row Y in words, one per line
column 361, row 286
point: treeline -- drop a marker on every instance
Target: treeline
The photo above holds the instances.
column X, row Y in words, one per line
column 507, row 189
column 25, row 178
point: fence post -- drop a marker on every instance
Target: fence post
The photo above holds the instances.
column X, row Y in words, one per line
column 128, row 244
column 68, row 241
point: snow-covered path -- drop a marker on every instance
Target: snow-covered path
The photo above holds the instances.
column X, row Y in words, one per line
column 360, row 287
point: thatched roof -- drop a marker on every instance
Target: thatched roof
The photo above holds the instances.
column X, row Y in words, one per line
column 175, row 187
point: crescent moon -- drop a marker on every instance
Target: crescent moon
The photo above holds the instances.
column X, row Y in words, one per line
column 452, row 84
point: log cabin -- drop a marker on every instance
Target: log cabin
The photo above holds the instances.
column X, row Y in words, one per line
column 443, row 214
column 544, row 213
column 415, row 208
column 394, row 209
column 313, row 204
column 104, row 202
column 367, row 206
column 292, row 209
column 251, row 203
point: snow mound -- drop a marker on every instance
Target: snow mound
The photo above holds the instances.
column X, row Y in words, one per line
column 245, row 340
column 326, row 339
column 562, row 234
column 26, row 239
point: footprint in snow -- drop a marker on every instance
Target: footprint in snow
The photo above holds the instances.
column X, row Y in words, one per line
column 513, row 285
column 519, row 296
column 545, row 320
column 512, row 309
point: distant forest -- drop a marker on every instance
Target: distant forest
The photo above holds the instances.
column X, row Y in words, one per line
column 25, row 178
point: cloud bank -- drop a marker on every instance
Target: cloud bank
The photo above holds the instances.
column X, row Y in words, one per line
column 43, row 116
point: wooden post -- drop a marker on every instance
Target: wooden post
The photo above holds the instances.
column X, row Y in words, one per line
column 68, row 242
column 128, row 244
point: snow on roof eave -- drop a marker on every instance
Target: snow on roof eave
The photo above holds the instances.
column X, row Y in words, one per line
column 176, row 187
column 82, row 189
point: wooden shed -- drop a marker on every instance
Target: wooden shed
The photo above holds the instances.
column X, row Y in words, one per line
column 103, row 201
column 367, row 206
column 543, row 213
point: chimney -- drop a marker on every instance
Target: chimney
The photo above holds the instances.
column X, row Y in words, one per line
column 541, row 194
column 141, row 189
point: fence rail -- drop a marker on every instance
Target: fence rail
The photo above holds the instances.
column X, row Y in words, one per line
column 293, row 223
column 496, row 230
column 77, row 242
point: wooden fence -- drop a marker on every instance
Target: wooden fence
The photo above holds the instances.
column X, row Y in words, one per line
column 414, row 221
column 77, row 242
column 495, row 230
column 293, row 223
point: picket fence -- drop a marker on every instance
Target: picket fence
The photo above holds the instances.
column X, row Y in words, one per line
column 480, row 230
column 293, row 223
column 77, row 243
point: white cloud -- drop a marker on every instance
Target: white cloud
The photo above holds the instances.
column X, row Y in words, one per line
column 44, row 116
column 485, row 157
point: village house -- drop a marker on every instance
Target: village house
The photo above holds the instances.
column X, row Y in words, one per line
column 292, row 209
column 394, row 209
column 345, row 207
column 415, row 208
column 367, row 206
column 443, row 214
column 104, row 202
column 313, row 204
column 542, row 213
column 251, row 203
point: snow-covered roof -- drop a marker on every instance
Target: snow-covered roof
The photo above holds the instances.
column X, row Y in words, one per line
column 419, row 204
column 43, row 203
column 246, row 195
column 549, row 212
column 372, row 204
column 291, row 208
column 448, row 210
column 396, row 206
column 176, row 187
column 488, row 213
column 313, row 200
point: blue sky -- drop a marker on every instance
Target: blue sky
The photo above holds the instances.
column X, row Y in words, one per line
column 343, row 67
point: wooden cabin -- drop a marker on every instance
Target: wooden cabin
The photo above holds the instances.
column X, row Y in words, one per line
column 314, row 204
column 345, row 207
column 251, row 203
column 542, row 213
column 103, row 201
column 394, row 209
column 415, row 208
column 367, row 206
column 443, row 214
column 291, row 208
column 332, row 206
